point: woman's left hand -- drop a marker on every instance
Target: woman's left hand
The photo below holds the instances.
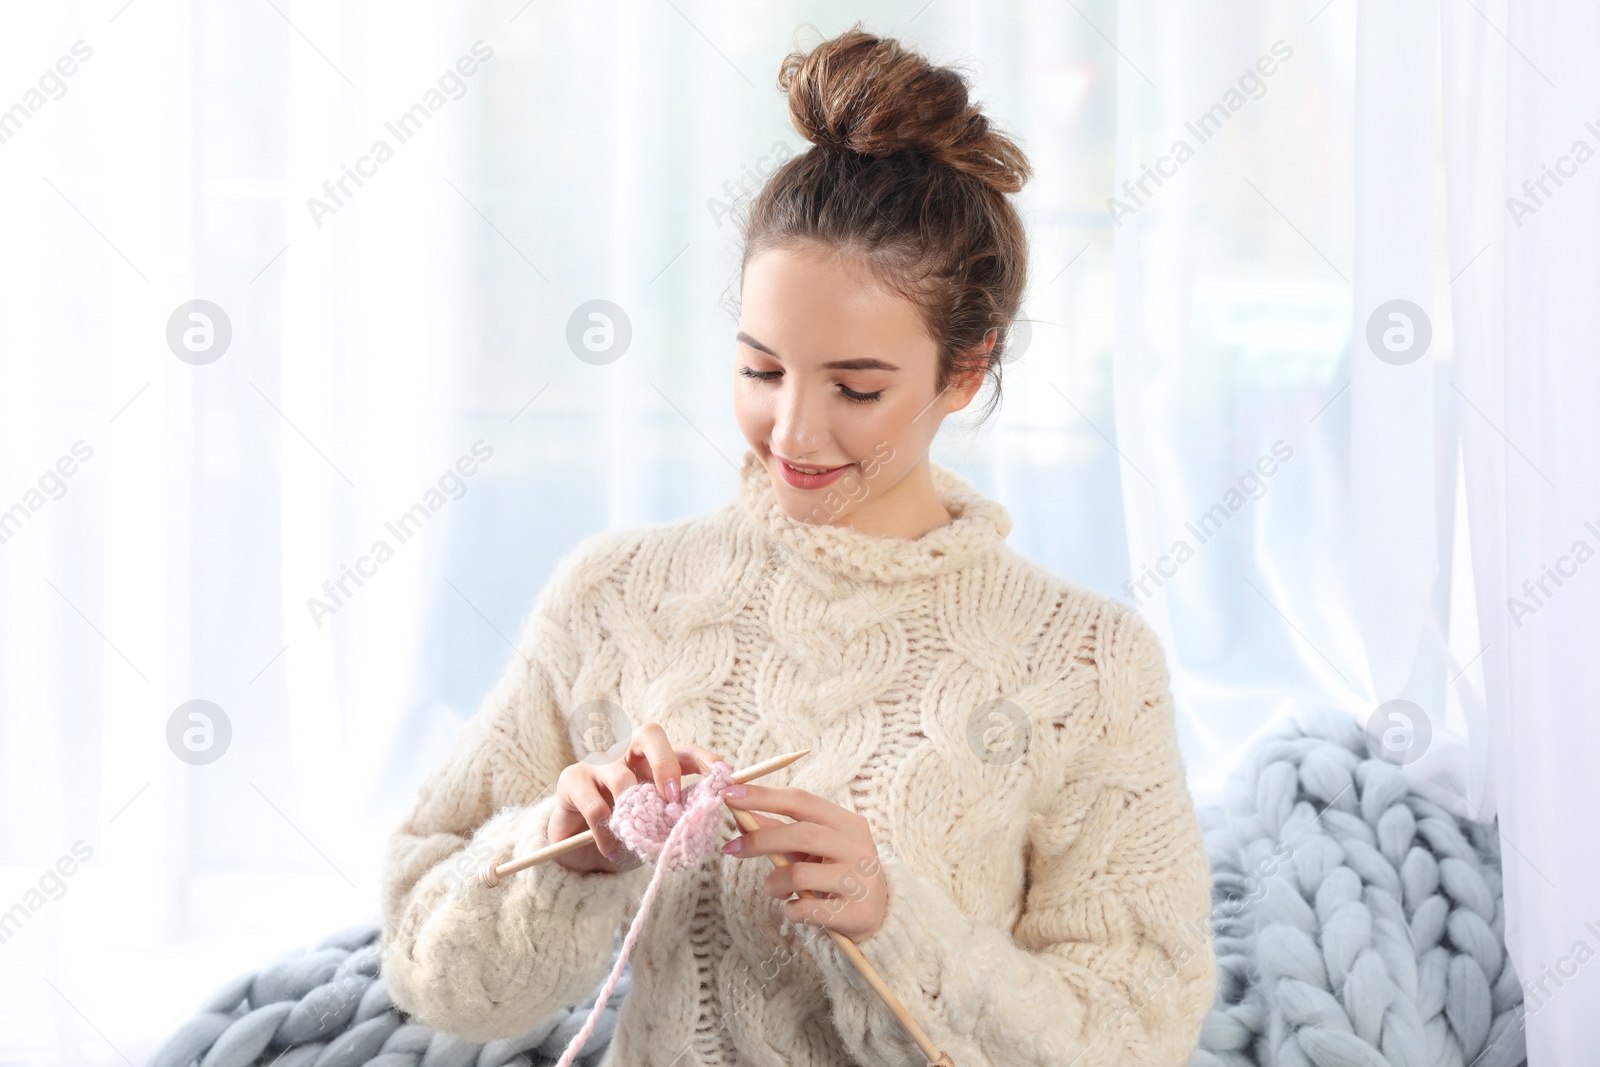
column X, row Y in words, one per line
column 831, row 853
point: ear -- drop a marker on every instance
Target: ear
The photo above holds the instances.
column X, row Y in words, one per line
column 965, row 385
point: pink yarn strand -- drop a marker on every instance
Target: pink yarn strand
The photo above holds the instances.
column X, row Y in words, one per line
column 639, row 819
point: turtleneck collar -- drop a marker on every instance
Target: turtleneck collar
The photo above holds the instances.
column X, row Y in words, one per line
column 979, row 525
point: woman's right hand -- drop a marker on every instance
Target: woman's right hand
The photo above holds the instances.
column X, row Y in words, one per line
column 586, row 793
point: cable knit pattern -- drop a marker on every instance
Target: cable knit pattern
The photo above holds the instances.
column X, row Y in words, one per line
column 1008, row 735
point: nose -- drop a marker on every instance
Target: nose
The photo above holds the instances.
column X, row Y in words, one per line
column 797, row 427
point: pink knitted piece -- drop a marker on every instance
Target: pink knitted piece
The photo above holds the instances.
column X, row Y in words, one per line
column 676, row 836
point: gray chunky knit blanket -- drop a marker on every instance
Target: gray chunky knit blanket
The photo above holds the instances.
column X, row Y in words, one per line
column 1355, row 925
column 329, row 1007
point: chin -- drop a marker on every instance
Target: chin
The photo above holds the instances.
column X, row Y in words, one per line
column 792, row 506
column 797, row 507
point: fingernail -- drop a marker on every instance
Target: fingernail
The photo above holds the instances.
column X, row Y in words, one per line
column 611, row 857
column 733, row 846
column 672, row 790
column 733, row 792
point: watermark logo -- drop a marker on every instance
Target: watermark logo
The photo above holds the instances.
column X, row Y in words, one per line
column 603, row 728
column 856, row 885
column 199, row 332
column 50, row 886
column 1536, row 192
column 998, row 732
column 466, row 866
column 1251, row 85
column 1399, row 332
column 1538, row 591
column 850, row 489
column 1563, row 970
column 451, row 85
column 451, row 485
column 52, row 485
column 198, row 732
column 1398, row 732
column 1251, row 486
column 598, row 332
column 749, row 178
column 51, row 82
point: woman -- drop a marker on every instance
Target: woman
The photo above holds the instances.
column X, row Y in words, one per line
column 994, row 805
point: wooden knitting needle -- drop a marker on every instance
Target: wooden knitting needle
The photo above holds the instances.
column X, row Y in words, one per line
column 492, row 873
column 935, row 1057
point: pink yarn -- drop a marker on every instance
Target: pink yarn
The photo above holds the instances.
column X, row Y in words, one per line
column 673, row 835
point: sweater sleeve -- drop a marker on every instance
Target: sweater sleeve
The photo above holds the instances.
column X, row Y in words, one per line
column 1110, row 962
column 489, row 963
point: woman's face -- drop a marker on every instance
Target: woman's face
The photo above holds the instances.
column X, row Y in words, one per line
column 834, row 371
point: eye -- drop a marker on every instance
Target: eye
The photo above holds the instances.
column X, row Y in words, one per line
column 848, row 393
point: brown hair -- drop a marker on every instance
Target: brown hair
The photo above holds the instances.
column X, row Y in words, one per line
column 907, row 175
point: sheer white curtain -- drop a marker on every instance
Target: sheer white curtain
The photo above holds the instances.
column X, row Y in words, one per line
column 213, row 492
column 1238, row 132
column 399, row 373
column 1417, row 326
column 1521, row 133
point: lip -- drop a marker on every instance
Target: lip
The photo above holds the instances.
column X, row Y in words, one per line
column 808, row 481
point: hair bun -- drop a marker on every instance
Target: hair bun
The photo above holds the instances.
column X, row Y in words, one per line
column 867, row 94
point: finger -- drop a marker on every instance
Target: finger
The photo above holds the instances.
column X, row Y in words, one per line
column 800, row 838
column 792, row 857
column 616, row 777
column 687, row 754
column 819, row 910
column 586, row 798
column 661, row 762
column 800, row 805
column 823, row 879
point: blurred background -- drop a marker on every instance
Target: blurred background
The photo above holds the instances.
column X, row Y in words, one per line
column 274, row 274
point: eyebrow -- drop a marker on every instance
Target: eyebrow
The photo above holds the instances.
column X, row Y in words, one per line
column 860, row 363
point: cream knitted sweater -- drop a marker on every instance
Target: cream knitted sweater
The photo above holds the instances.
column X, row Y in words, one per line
column 1048, row 894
